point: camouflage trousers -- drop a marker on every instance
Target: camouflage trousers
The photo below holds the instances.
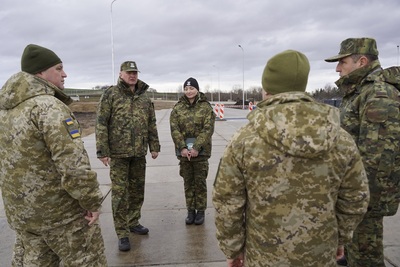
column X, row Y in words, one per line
column 18, row 252
column 128, row 180
column 76, row 244
column 366, row 248
column 194, row 174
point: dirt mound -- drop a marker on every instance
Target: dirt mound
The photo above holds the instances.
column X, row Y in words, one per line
column 85, row 112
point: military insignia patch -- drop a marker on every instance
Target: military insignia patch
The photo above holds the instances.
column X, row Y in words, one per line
column 75, row 133
column 69, row 121
column 72, row 128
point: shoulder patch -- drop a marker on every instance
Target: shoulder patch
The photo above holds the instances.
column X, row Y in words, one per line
column 69, row 121
column 377, row 112
column 72, row 128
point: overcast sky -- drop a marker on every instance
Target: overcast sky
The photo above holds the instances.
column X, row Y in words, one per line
column 171, row 40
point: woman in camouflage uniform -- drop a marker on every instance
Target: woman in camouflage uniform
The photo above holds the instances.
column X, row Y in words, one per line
column 193, row 117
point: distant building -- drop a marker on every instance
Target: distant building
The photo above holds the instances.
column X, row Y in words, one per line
column 75, row 98
column 333, row 102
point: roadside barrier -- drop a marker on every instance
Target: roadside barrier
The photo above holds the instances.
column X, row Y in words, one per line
column 216, row 109
column 219, row 111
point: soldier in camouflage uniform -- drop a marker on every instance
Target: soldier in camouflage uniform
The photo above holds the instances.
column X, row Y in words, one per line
column 51, row 196
column 291, row 186
column 370, row 113
column 126, row 127
column 193, row 117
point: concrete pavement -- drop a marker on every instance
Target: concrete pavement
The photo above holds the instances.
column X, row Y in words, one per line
column 170, row 242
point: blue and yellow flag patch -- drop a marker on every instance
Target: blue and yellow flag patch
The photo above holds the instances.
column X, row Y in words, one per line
column 72, row 128
column 69, row 121
column 75, row 133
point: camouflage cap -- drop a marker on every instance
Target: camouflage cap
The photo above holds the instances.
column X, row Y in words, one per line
column 129, row 66
column 350, row 46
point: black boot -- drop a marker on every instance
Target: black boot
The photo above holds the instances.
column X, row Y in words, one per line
column 190, row 217
column 342, row 261
column 124, row 244
column 139, row 229
column 199, row 217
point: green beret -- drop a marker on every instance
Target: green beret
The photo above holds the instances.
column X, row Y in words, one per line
column 286, row 72
column 36, row 58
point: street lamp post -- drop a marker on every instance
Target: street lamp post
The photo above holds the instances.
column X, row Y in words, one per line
column 112, row 45
column 243, row 73
column 397, row 55
column 219, row 91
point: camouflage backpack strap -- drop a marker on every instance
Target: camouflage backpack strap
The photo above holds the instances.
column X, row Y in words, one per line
column 392, row 76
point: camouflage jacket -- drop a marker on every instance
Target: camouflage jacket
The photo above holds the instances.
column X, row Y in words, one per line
column 290, row 186
column 126, row 122
column 45, row 174
column 370, row 113
column 193, row 120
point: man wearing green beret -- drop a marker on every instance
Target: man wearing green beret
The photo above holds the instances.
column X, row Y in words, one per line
column 291, row 186
column 370, row 113
column 51, row 196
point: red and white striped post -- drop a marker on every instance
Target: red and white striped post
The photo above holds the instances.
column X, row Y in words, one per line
column 216, row 109
column 221, row 111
